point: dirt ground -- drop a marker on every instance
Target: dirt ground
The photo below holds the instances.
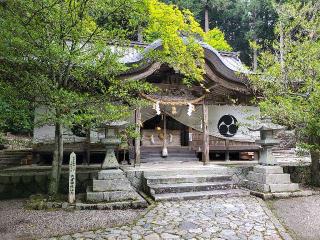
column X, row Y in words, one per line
column 18, row 223
column 301, row 216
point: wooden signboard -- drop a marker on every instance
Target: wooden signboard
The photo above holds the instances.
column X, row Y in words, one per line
column 72, row 178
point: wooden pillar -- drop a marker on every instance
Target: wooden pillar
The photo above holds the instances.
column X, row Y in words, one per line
column 87, row 149
column 227, row 154
column 205, row 147
column 190, row 142
column 137, row 139
column 165, row 145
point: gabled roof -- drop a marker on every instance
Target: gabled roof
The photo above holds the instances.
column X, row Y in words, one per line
column 226, row 65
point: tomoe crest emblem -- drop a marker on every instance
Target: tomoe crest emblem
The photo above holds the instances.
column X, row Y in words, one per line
column 227, row 125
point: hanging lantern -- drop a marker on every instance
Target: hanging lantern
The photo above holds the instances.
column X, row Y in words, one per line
column 157, row 108
column 174, row 110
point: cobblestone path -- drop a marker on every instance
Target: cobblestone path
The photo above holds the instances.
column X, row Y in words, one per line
column 221, row 218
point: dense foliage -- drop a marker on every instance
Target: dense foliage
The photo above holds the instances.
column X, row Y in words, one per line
column 57, row 54
column 16, row 114
column 289, row 76
column 241, row 21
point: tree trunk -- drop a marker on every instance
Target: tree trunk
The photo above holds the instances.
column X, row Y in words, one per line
column 140, row 36
column 282, row 50
column 315, row 174
column 206, row 19
column 57, row 160
column 255, row 59
column 137, row 139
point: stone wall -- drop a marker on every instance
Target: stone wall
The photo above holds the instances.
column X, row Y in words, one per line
column 20, row 184
column 136, row 179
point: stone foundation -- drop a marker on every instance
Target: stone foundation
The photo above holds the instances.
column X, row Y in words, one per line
column 270, row 179
column 20, row 183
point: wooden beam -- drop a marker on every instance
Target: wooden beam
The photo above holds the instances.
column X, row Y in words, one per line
column 137, row 139
column 205, row 147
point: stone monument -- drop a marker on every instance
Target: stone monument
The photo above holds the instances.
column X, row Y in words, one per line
column 268, row 176
column 112, row 189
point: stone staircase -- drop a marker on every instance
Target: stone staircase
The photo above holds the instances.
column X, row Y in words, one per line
column 189, row 184
column 153, row 154
column 13, row 157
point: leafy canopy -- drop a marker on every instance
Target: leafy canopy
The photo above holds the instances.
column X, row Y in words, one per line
column 168, row 23
column 291, row 88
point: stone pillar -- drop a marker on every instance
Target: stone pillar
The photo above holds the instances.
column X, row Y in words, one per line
column 137, row 139
column 205, row 147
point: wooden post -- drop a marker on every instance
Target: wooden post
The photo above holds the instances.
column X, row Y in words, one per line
column 190, row 138
column 137, row 139
column 164, row 148
column 87, row 150
column 227, row 154
column 205, row 147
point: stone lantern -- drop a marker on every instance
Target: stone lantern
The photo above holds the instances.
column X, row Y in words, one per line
column 111, row 189
column 268, row 179
column 111, row 141
column 267, row 141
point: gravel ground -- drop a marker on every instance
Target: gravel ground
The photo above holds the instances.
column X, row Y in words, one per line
column 19, row 223
column 300, row 216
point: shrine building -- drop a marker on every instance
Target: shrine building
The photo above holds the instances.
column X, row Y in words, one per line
column 205, row 122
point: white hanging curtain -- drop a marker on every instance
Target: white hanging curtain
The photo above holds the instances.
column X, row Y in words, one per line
column 244, row 114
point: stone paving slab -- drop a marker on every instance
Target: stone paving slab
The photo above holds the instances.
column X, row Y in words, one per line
column 219, row 218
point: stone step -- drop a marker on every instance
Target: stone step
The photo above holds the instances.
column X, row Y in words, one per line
column 169, row 159
column 190, row 187
column 291, row 187
column 112, row 196
column 201, row 195
column 111, row 185
column 151, row 155
column 170, row 148
column 210, row 170
column 187, row 178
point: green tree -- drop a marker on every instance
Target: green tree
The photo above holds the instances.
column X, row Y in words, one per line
column 289, row 76
column 56, row 53
column 241, row 21
column 169, row 20
column 16, row 114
